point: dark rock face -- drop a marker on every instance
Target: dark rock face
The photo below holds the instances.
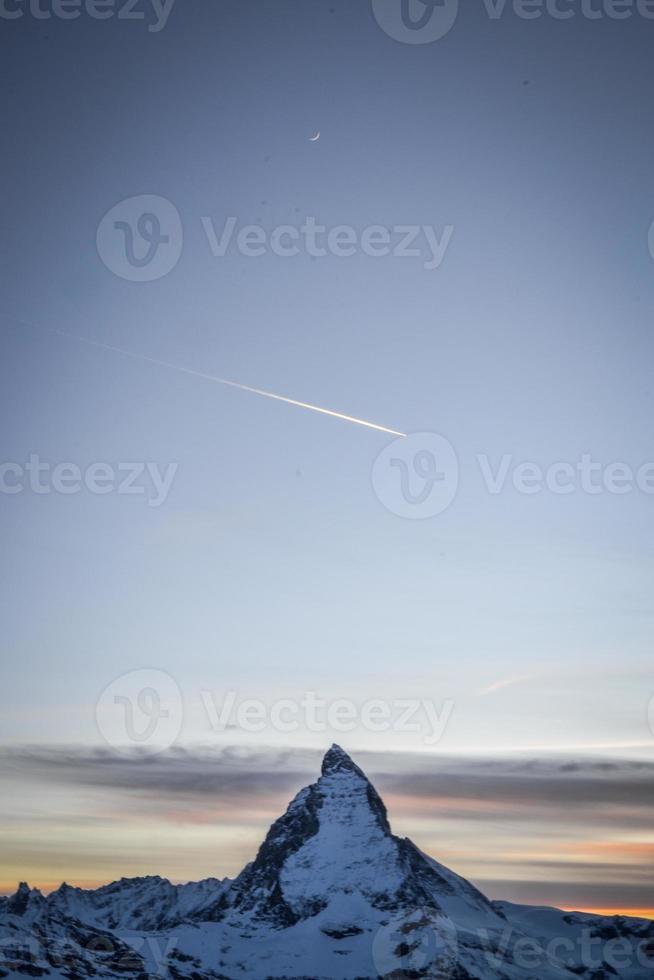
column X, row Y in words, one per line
column 341, row 933
column 22, row 899
column 257, row 888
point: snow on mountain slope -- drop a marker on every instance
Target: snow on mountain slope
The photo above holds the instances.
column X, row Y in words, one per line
column 138, row 903
column 331, row 895
column 610, row 946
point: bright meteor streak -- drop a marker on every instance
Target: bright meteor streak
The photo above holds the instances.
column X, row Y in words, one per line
column 231, row 384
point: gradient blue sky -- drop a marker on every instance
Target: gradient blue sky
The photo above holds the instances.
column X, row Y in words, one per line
column 272, row 568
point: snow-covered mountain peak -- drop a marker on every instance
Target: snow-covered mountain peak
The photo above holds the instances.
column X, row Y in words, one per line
column 346, row 789
column 336, row 759
column 331, row 895
column 333, row 853
column 351, row 848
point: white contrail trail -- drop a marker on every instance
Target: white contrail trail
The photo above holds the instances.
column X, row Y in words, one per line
column 225, row 381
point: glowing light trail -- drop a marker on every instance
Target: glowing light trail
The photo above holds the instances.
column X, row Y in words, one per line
column 230, row 384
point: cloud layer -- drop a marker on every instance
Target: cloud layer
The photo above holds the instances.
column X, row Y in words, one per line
column 560, row 831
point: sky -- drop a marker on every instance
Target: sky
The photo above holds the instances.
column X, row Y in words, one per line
column 482, row 283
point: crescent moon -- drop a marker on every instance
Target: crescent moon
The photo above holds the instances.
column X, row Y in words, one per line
column 313, row 139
